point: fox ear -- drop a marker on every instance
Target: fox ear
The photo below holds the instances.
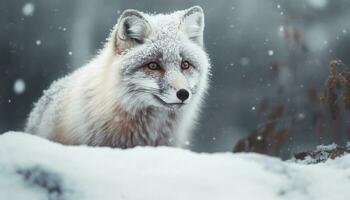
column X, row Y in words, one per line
column 132, row 29
column 193, row 24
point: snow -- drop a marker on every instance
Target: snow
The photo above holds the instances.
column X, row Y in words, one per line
column 270, row 52
column 19, row 86
column 301, row 116
column 62, row 28
column 34, row 168
column 327, row 147
column 28, row 9
column 318, row 4
column 244, row 61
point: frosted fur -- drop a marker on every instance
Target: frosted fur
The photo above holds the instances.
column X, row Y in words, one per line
column 115, row 101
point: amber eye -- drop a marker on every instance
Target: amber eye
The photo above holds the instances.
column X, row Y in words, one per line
column 185, row 65
column 153, row 66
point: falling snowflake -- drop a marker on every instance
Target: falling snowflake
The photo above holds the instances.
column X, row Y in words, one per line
column 244, row 61
column 271, row 52
column 301, row 116
column 38, row 42
column 19, row 86
column 28, row 9
column 281, row 29
column 62, row 28
column 318, row 4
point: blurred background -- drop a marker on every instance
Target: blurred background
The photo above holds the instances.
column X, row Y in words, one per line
column 270, row 60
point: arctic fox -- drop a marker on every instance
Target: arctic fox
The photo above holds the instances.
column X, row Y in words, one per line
column 145, row 87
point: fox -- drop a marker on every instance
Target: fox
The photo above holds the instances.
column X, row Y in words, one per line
column 145, row 87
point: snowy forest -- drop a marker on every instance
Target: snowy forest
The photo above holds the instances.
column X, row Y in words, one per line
column 279, row 86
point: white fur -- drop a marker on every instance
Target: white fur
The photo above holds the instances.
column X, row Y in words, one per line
column 76, row 109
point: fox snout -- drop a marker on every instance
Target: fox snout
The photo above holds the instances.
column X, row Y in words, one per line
column 176, row 96
column 180, row 86
column 175, row 89
column 182, row 94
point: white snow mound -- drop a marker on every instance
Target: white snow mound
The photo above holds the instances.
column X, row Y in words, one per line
column 33, row 168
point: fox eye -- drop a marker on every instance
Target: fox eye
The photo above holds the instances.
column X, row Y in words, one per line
column 185, row 65
column 153, row 66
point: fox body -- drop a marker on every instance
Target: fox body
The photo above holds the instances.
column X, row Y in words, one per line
column 145, row 87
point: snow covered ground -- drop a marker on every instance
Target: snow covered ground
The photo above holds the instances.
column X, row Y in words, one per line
column 34, row 168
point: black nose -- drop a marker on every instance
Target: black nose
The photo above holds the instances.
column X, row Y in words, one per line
column 182, row 94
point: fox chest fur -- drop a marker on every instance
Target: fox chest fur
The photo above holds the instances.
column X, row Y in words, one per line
column 148, row 126
column 145, row 87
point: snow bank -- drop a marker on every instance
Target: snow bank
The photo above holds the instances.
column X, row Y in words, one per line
column 34, row 168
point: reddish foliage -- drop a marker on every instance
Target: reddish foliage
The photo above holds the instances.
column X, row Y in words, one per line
column 313, row 97
column 322, row 154
column 294, row 35
column 336, row 100
column 318, row 118
column 330, row 92
column 334, row 81
column 265, row 139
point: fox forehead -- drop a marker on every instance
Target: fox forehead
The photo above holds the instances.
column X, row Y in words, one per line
column 165, row 39
column 166, row 43
column 164, row 25
column 164, row 29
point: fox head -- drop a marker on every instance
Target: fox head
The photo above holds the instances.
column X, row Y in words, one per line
column 161, row 58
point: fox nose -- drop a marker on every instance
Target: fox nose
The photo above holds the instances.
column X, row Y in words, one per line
column 182, row 94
